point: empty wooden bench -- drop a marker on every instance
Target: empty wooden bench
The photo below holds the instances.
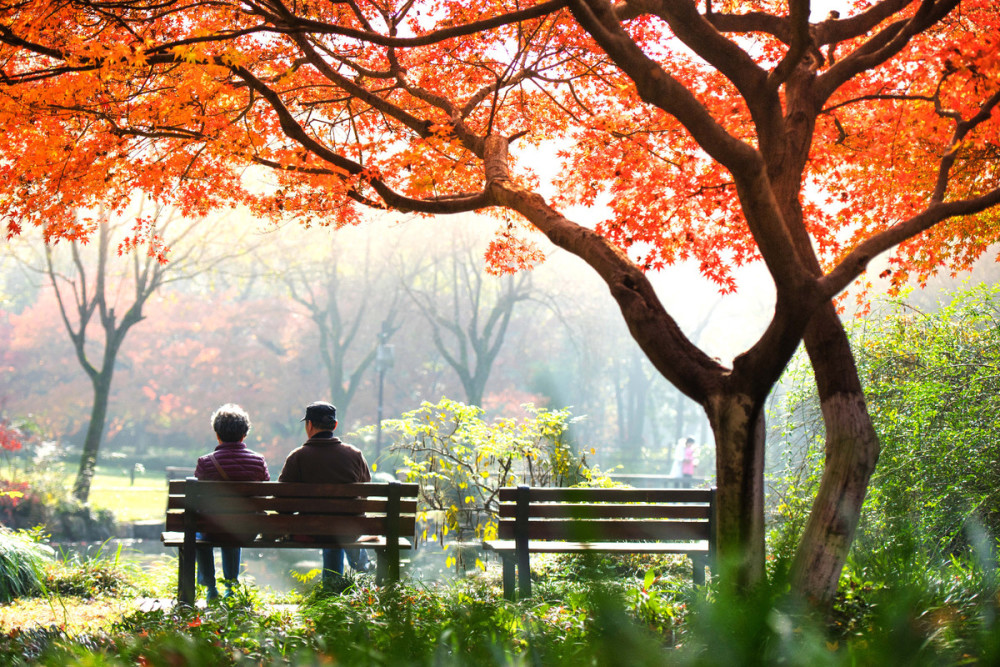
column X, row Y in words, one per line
column 281, row 515
column 576, row 521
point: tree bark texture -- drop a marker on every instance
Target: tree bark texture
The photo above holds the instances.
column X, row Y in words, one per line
column 852, row 450
column 738, row 424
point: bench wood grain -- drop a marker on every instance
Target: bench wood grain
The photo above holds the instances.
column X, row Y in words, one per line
column 581, row 520
column 281, row 515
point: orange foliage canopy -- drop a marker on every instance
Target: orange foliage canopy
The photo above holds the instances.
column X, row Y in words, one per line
column 103, row 100
column 388, row 104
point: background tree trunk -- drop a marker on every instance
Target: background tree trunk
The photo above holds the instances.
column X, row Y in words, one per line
column 95, row 433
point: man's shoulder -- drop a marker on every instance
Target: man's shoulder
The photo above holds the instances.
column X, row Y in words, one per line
column 324, row 448
column 295, row 454
column 350, row 446
column 353, row 452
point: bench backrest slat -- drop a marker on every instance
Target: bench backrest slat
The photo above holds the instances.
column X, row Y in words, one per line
column 606, row 515
column 609, row 531
column 224, row 504
column 608, row 511
column 290, row 489
column 314, row 525
column 593, row 495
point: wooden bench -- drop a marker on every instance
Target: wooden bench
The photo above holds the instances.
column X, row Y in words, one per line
column 576, row 521
column 276, row 515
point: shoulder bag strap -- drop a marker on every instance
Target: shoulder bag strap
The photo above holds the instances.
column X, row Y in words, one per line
column 222, row 473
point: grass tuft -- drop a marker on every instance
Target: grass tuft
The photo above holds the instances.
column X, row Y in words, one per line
column 22, row 563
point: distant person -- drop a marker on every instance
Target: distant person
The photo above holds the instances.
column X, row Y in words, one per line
column 324, row 459
column 687, row 463
column 676, row 455
column 230, row 462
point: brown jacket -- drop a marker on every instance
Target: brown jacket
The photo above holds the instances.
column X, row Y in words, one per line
column 325, row 460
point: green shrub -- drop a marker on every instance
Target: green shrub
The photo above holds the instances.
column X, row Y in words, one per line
column 461, row 462
column 53, row 646
column 902, row 605
column 46, row 502
column 469, row 623
column 22, row 563
column 896, row 609
column 933, row 390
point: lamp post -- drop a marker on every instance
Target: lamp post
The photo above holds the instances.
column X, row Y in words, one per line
column 384, row 357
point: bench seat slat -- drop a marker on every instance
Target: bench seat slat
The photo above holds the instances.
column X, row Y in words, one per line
column 176, row 539
column 555, row 547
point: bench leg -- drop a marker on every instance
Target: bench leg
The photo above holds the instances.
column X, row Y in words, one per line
column 392, row 564
column 381, row 566
column 185, row 576
column 699, row 563
column 508, row 576
column 523, row 575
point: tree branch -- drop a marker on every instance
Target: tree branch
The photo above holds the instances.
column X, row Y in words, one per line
column 856, row 261
column 877, row 50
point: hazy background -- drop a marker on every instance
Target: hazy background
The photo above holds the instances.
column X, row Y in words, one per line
column 273, row 319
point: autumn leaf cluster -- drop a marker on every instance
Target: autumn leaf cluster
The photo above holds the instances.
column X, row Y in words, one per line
column 321, row 111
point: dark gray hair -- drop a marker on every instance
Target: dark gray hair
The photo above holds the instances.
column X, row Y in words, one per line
column 231, row 423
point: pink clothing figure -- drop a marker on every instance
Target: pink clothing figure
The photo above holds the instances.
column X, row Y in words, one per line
column 687, row 465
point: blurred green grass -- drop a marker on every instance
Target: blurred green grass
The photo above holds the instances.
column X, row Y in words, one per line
column 138, row 500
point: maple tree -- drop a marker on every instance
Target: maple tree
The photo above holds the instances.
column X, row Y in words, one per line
column 720, row 133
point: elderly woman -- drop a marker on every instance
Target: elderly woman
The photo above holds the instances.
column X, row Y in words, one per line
column 230, row 462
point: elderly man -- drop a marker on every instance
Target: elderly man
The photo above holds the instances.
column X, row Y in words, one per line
column 323, row 458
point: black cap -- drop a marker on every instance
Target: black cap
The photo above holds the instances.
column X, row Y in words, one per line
column 321, row 413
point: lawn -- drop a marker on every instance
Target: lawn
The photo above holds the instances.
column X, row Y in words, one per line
column 74, row 615
column 145, row 498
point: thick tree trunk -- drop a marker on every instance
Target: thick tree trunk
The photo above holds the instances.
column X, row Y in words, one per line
column 738, row 425
column 851, row 452
column 92, row 443
column 852, row 449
